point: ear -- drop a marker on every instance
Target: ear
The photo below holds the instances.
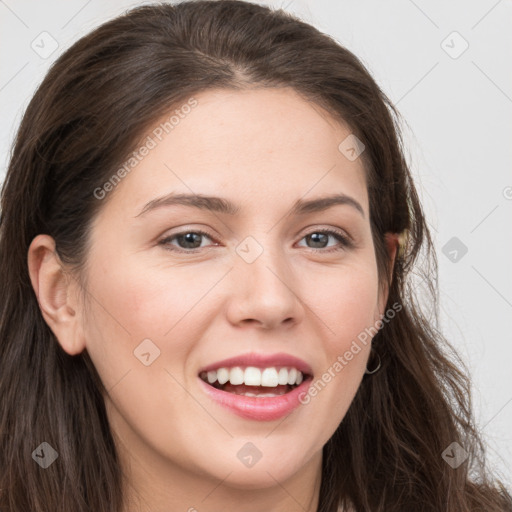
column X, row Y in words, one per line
column 56, row 292
column 392, row 243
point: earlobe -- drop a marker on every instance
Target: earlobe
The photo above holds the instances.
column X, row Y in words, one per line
column 54, row 289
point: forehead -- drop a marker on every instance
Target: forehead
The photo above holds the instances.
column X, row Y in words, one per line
column 259, row 147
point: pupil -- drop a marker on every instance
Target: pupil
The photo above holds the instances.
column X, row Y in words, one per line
column 189, row 239
column 316, row 236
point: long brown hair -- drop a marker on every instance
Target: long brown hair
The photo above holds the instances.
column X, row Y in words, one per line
column 87, row 115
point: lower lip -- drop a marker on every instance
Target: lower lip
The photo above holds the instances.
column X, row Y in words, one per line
column 267, row 408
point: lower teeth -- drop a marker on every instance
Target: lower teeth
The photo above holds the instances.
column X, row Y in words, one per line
column 234, row 391
column 259, row 395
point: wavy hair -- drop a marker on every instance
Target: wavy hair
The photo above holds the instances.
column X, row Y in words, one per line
column 87, row 115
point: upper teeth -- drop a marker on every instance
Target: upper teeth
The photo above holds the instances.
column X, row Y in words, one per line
column 252, row 376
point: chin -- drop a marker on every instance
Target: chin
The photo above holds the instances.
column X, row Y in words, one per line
column 261, row 476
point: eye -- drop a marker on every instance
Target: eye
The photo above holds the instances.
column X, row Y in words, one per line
column 188, row 241
column 320, row 239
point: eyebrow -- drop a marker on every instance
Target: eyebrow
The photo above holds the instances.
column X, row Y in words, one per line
column 221, row 205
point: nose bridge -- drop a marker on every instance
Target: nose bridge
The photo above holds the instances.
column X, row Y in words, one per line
column 265, row 289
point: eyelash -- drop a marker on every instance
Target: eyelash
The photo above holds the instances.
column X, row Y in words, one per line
column 345, row 242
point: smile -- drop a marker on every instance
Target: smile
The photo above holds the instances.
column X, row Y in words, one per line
column 252, row 387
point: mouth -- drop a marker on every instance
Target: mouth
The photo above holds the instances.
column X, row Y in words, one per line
column 252, row 381
column 255, row 386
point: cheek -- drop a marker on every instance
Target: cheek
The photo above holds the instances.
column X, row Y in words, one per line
column 146, row 300
column 134, row 307
column 134, row 302
column 347, row 302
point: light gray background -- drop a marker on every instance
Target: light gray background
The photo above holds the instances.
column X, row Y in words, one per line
column 459, row 112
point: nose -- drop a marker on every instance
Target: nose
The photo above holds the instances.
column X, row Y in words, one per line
column 265, row 292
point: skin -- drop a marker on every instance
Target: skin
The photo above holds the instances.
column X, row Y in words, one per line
column 262, row 149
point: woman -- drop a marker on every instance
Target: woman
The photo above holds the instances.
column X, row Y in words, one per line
column 207, row 231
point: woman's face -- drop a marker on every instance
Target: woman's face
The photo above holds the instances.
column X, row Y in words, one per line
column 264, row 285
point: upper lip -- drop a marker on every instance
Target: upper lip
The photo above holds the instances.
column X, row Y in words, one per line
column 261, row 361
